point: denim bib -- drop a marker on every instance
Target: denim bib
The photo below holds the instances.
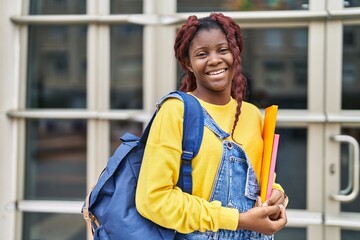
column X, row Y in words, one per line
column 235, row 186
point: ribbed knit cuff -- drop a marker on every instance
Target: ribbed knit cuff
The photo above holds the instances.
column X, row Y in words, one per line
column 228, row 218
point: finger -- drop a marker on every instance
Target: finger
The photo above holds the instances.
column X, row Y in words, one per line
column 282, row 219
column 274, row 217
column 275, row 194
column 282, row 212
column 258, row 202
column 275, row 209
column 275, row 197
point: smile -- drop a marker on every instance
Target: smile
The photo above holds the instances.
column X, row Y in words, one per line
column 217, row 72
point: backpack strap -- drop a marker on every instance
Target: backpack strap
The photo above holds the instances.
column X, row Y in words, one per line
column 193, row 129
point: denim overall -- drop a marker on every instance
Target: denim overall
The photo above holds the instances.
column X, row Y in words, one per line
column 235, row 186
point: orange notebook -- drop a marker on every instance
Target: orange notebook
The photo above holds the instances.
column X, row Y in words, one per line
column 268, row 136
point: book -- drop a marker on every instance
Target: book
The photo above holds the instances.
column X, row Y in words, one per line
column 272, row 165
column 268, row 138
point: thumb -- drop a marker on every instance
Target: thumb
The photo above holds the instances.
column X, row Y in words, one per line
column 258, row 202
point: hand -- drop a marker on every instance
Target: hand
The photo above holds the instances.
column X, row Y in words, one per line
column 258, row 219
column 277, row 197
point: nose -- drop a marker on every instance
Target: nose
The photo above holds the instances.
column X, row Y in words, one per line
column 214, row 59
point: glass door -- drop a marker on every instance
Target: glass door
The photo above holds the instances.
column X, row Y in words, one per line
column 342, row 130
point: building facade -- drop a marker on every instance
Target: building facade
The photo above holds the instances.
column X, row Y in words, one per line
column 75, row 75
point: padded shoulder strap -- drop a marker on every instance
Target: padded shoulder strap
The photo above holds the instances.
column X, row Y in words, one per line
column 193, row 128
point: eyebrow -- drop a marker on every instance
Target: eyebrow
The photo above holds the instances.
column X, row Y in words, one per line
column 218, row 45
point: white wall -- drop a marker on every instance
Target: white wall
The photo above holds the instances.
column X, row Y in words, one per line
column 8, row 92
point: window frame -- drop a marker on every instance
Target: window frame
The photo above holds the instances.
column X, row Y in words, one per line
column 160, row 19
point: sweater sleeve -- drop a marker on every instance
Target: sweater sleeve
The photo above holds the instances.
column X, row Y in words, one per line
column 158, row 198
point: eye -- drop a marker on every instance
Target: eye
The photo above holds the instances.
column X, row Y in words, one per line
column 224, row 50
column 201, row 54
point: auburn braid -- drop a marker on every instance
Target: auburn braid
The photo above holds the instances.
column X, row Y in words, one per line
column 184, row 36
column 235, row 39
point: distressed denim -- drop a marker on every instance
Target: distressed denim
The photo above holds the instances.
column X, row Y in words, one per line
column 235, row 186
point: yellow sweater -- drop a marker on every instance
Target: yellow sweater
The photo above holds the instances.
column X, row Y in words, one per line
column 160, row 200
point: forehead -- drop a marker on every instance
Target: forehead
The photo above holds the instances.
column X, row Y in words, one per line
column 208, row 37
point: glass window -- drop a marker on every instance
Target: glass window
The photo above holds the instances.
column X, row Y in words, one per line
column 350, row 234
column 351, row 68
column 345, row 157
column 291, row 233
column 53, row 226
column 56, row 76
column 275, row 64
column 126, row 6
column 118, row 128
column 240, row 5
column 57, row 7
column 351, row 3
column 55, row 160
column 291, row 165
column 126, row 67
column 276, row 67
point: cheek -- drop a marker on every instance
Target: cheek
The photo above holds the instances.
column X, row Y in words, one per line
column 197, row 67
column 232, row 66
column 231, row 60
column 197, row 75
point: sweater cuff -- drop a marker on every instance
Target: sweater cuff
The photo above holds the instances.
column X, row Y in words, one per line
column 278, row 187
column 228, row 218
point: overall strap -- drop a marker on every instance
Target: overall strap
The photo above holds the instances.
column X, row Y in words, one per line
column 193, row 128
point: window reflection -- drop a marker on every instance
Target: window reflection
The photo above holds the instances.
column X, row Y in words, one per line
column 126, row 67
column 351, row 68
column 53, row 226
column 291, row 165
column 119, row 128
column 57, row 7
column 126, row 6
column 275, row 64
column 240, row 5
column 56, row 76
column 55, row 160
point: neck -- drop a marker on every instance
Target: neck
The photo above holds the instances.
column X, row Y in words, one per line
column 218, row 98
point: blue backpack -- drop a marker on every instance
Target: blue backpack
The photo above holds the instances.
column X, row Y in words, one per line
column 110, row 209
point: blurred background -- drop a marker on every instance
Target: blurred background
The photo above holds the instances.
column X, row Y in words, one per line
column 75, row 75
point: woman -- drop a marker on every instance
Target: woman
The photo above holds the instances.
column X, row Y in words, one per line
column 224, row 203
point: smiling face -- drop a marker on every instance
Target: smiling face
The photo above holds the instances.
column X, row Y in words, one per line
column 211, row 61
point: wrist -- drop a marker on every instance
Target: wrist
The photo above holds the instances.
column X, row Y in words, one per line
column 241, row 222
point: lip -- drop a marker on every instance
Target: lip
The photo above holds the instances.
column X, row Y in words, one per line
column 216, row 72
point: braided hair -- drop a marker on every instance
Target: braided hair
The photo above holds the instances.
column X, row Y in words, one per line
column 233, row 34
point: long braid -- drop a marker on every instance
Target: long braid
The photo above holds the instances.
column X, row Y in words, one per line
column 184, row 36
column 234, row 36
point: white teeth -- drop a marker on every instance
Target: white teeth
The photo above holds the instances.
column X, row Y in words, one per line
column 217, row 72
